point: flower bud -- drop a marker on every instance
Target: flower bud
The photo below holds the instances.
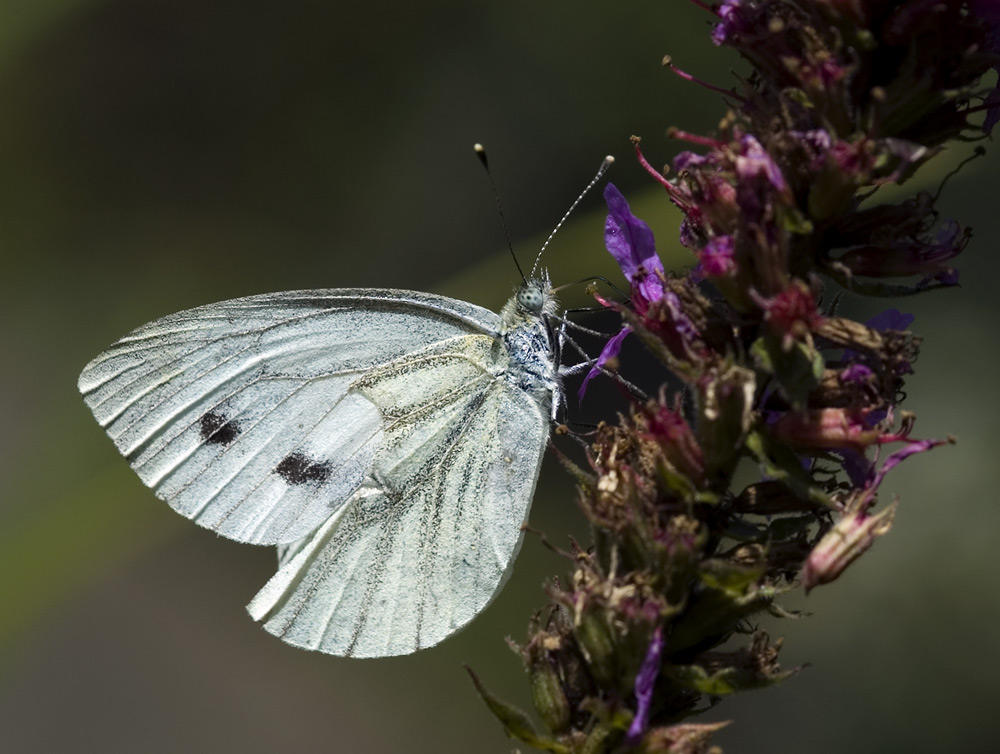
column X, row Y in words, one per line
column 843, row 544
column 675, row 440
column 596, row 640
column 828, row 428
column 726, row 415
column 548, row 695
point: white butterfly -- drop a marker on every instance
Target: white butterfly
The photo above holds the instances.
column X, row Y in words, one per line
column 388, row 442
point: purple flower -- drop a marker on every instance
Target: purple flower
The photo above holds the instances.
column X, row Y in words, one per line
column 687, row 159
column 688, row 235
column 631, row 243
column 857, row 531
column 754, row 160
column 858, row 467
column 610, row 351
column 792, row 312
column 856, row 373
column 715, row 259
column 827, row 428
column 668, row 428
column 890, row 319
column 730, row 22
column 945, row 277
column 758, row 184
column 645, row 681
column 816, row 142
column 911, row 256
column 894, row 459
column 680, row 323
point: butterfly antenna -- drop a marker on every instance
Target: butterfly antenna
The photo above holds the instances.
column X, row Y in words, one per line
column 593, row 182
column 481, row 154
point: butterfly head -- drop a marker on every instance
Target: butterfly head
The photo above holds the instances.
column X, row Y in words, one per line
column 535, row 297
column 534, row 300
column 531, row 298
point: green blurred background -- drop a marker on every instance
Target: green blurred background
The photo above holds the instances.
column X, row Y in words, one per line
column 159, row 155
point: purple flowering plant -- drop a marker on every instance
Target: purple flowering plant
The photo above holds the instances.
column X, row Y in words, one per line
column 782, row 212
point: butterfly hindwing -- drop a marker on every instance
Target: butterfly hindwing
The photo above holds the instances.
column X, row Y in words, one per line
column 424, row 544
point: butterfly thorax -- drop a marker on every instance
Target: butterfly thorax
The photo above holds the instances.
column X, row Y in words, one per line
column 530, row 341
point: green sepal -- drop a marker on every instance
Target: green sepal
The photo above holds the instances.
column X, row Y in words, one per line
column 787, row 527
column 549, row 696
column 728, row 680
column 596, row 640
column 599, row 740
column 797, row 370
column 683, row 738
column 611, row 722
column 798, row 96
column 714, row 615
column 675, row 482
column 793, row 221
column 780, row 463
column 516, row 722
column 725, row 415
column 728, row 577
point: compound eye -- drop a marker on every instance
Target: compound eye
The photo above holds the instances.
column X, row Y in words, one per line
column 531, row 298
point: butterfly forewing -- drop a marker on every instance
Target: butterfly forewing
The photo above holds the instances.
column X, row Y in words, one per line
column 238, row 414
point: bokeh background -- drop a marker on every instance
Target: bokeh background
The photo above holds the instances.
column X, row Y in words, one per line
column 163, row 154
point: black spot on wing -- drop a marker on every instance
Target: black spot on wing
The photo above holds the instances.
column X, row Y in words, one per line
column 297, row 468
column 215, row 429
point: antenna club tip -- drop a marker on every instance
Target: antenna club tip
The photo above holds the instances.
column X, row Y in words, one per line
column 609, row 159
column 481, row 154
